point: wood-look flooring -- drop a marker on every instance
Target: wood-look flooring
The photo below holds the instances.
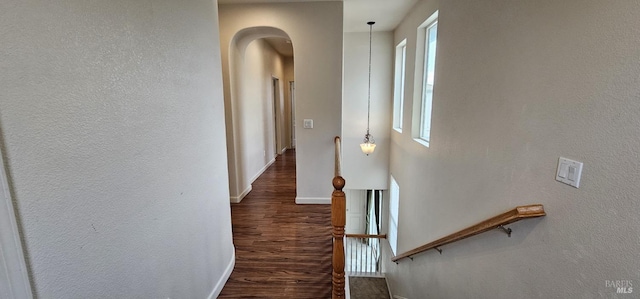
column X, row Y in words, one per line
column 283, row 250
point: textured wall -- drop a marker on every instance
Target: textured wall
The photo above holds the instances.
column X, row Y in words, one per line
column 519, row 84
column 359, row 170
column 112, row 121
column 315, row 29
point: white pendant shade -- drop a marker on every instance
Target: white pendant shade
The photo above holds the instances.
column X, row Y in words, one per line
column 367, row 148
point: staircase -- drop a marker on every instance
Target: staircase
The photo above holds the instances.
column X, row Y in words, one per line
column 357, row 271
column 368, row 288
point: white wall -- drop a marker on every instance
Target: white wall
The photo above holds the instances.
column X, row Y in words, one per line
column 519, row 84
column 315, row 29
column 112, row 124
column 254, row 112
column 359, row 170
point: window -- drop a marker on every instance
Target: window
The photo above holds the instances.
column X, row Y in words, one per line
column 394, row 199
column 429, row 33
column 398, row 86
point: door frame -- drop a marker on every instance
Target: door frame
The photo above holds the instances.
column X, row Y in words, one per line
column 292, row 92
column 276, row 95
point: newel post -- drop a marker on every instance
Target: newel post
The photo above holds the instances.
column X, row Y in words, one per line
column 338, row 221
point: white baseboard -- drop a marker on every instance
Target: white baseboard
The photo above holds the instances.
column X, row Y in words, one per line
column 238, row 199
column 388, row 287
column 313, row 200
column 347, row 289
column 225, row 276
column 261, row 171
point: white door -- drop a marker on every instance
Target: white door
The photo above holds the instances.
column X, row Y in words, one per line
column 356, row 211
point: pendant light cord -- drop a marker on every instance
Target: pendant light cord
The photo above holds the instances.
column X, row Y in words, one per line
column 369, row 91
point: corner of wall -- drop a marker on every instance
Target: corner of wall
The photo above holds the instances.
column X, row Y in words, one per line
column 225, row 276
column 238, row 199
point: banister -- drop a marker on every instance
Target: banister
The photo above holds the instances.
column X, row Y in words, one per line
column 338, row 221
column 338, row 164
column 516, row 214
column 363, row 255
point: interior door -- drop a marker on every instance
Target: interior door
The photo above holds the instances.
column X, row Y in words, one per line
column 356, row 211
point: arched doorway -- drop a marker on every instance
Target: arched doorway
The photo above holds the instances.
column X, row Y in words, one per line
column 259, row 109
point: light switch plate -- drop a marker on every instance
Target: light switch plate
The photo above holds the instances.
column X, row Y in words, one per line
column 569, row 172
column 308, row 124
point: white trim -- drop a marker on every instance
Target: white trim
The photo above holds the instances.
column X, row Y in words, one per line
column 261, row 171
column 238, row 199
column 420, row 81
column 388, row 287
column 365, row 274
column 225, row 276
column 313, row 200
column 399, row 76
column 14, row 279
column 421, row 141
column 347, row 289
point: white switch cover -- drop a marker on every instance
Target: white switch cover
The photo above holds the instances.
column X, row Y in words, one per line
column 308, row 124
column 569, row 172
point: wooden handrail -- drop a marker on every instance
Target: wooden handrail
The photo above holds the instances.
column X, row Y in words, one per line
column 338, row 221
column 364, row 236
column 517, row 214
column 338, row 168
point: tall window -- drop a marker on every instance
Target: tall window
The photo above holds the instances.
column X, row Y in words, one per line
column 394, row 200
column 429, row 32
column 398, row 86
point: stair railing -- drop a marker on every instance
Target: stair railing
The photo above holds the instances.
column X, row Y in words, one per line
column 496, row 222
column 363, row 255
column 338, row 221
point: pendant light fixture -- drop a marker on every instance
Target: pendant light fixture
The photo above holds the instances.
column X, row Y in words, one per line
column 369, row 144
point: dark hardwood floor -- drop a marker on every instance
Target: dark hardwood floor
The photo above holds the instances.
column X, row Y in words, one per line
column 283, row 250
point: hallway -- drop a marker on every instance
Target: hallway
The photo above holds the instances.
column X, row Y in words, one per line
column 283, row 250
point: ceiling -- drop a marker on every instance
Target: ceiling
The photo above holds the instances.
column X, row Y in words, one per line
column 281, row 45
column 386, row 13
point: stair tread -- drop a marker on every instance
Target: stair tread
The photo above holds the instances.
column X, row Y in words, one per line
column 368, row 288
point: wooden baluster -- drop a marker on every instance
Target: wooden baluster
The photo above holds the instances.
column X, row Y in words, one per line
column 338, row 162
column 338, row 220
